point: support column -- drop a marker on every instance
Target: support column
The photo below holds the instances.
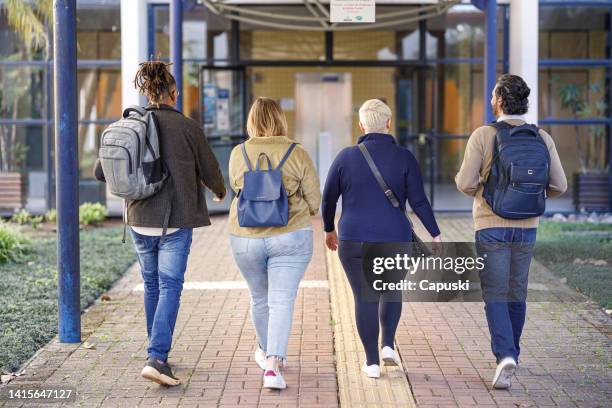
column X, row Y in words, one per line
column 490, row 57
column 524, row 52
column 176, row 47
column 133, row 48
column 66, row 170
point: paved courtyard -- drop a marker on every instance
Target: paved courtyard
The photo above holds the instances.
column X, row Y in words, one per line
column 566, row 354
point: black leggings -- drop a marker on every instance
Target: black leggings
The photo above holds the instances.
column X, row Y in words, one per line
column 369, row 313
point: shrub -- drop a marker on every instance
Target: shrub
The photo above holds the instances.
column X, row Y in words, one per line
column 12, row 244
column 21, row 217
column 92, row 213
column 51, row 216
column 36, row 221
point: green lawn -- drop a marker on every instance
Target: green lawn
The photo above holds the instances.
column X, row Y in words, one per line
column 28, row 289
column 561, row 244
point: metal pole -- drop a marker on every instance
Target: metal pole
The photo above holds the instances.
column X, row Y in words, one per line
column 48, row 110
column 609, row 88
column 176, row 47
column 490, row 60
column 66, row 170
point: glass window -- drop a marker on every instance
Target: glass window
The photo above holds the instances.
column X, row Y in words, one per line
column 11, row 45
column 89, row 143
column 33, row 137
column 580, row 147
column 573, row 92
column 460, row 33
column 21, row 147
column 99, row 93
column 573, row 32
column 161, row 15
column 205, row 35
column 98, row 32
column 21, row 92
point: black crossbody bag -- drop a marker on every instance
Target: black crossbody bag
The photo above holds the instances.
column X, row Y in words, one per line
column 419, row 245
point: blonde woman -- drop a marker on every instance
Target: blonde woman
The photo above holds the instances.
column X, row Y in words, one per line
column 369, row 216
column 273, row 259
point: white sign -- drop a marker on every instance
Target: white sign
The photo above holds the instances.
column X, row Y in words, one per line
column 353, row 11
column 223, row 118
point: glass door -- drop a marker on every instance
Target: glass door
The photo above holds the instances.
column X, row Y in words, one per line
column 223, row 107
column 416, row 108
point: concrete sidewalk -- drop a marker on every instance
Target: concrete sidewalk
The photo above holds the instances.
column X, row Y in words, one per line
column 567, row 358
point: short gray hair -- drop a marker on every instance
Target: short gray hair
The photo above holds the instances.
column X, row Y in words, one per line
column 374, row 115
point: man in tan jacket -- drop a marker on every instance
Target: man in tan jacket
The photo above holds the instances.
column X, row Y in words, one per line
column 504, row 280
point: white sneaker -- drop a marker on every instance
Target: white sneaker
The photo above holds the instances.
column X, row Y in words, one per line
column 260, row 358
column 390, row 357
column 274, row 380
column 372, row 371
column 504, row 373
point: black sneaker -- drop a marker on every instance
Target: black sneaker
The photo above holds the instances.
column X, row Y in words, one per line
column 159, row 373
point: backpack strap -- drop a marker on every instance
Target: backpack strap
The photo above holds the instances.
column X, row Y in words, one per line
column 246, row 156
column 134, row 108
column 286, row 156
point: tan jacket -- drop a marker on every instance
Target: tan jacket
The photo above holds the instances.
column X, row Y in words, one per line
column 299, row 178
column 477, row 165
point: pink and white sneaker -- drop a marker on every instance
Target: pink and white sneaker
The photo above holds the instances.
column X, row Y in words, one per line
column 274, row 380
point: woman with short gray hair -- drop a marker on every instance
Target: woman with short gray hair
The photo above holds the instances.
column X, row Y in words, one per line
column 369, row 216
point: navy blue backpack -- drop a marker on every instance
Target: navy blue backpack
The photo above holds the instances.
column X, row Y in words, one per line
column 263, row 202
column 516, row 186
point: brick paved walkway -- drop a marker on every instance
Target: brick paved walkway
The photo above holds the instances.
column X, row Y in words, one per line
column 567, row 358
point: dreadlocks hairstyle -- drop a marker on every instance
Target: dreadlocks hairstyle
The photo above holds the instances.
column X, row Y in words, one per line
column 154, row 80
column 514, row 94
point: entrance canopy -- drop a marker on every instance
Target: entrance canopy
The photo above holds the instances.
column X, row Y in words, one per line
column 315, row 14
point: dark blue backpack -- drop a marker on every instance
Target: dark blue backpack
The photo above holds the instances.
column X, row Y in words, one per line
column 263, row 202
column 516, row 186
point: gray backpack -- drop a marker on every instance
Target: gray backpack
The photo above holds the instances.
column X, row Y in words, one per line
column 130, row 155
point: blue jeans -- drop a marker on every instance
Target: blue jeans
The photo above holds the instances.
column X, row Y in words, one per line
column 504, row 279
column 163, row 268
column 273, row 268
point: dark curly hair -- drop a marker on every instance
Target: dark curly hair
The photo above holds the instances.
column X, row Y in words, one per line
column 514, row 94
column 154, row 80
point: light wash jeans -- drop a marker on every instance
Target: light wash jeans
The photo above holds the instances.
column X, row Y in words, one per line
column 273, row 268
column 162, row 265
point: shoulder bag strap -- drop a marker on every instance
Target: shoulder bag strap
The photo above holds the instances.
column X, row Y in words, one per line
column 383, row 185
column 286, row 156
column 379, row 178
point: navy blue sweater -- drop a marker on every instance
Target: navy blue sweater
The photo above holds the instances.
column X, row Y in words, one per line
column 367, row 214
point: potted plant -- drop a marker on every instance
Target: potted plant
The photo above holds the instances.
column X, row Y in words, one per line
column 591, row 181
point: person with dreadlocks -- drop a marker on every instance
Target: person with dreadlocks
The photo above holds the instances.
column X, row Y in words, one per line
column 192, row 166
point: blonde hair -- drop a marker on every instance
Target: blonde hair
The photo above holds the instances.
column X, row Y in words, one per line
column 266, row 118
column 374, row 115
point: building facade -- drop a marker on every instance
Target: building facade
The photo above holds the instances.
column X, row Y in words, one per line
column 430, row 71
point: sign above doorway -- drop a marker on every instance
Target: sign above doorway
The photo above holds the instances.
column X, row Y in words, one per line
column 352, row 11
